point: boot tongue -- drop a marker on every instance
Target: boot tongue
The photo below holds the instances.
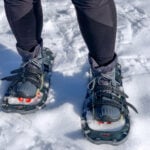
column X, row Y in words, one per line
column 107, row 71
column 109, row 76
column 27, row 55
column 97, row 69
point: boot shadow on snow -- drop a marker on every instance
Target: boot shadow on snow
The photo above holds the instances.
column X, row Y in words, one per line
column 70, row 90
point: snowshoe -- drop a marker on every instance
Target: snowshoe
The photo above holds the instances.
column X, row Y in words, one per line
column 105, row 114
column 30, row 83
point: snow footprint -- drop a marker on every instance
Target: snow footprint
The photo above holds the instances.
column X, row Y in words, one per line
column 131, row 20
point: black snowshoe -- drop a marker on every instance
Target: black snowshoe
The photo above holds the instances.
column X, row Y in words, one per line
column 105, row 115
column 30, row 83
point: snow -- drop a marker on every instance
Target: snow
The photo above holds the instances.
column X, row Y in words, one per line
column 57, row 127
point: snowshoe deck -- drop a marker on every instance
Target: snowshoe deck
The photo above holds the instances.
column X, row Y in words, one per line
column 103, row 137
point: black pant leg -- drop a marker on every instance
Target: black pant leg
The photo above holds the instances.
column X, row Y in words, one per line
column 25, row 19
column 97, row 21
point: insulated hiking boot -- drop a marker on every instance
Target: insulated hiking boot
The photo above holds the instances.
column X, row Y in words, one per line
column 105, row 115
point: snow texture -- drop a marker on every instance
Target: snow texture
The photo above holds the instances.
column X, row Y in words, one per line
column 57, row 127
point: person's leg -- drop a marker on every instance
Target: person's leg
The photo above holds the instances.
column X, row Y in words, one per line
column 97, row 22
column 105, row 99
column 26, row 20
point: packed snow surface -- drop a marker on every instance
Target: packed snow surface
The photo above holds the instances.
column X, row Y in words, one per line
column 57, row 127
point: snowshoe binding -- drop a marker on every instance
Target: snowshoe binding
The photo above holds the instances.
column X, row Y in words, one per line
column 105, row 115
column 29, row 85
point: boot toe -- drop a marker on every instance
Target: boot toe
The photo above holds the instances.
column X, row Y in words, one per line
column 26, row 90
column 107, row 113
